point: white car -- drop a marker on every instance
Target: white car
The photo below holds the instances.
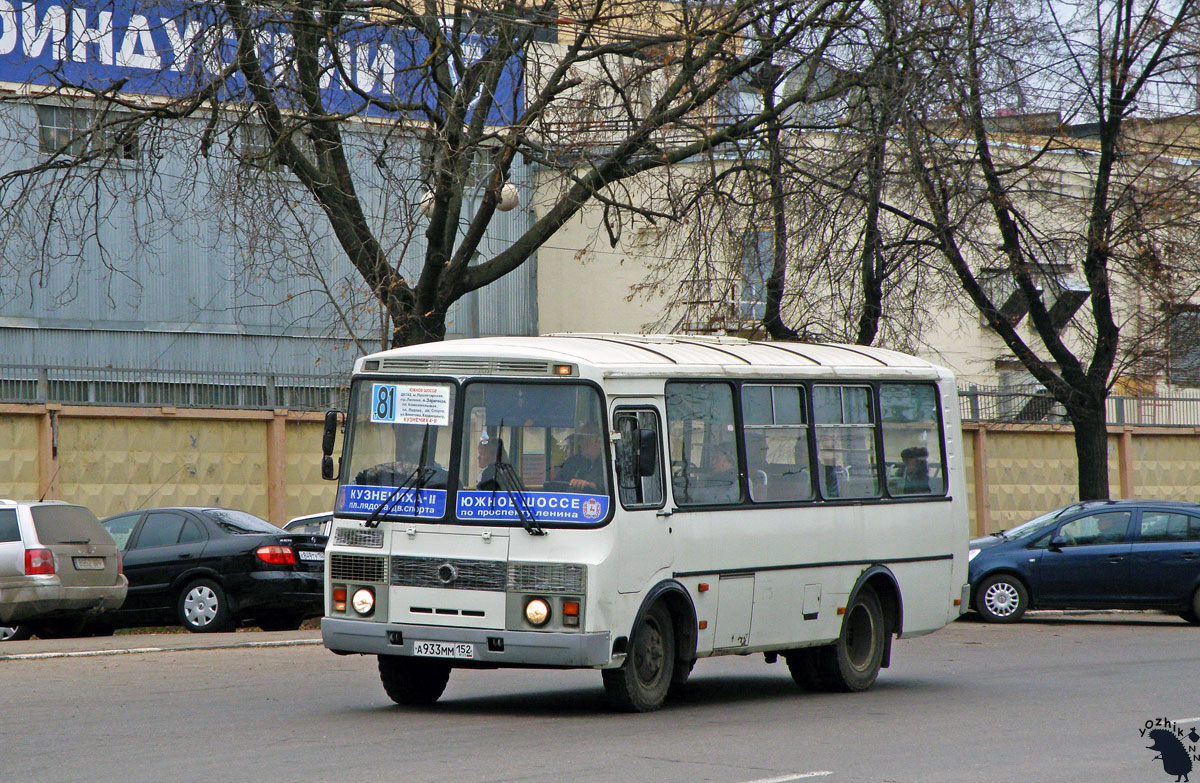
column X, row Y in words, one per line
column 58, row 566
column 316, row 524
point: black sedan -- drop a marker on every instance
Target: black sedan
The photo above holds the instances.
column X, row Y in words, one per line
column 1112, row 554
column 213, row 569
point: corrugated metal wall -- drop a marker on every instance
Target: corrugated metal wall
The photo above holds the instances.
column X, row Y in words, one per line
column 184, row 277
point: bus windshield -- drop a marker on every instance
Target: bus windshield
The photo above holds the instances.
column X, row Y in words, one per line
column 392, row 425
column 550, row 434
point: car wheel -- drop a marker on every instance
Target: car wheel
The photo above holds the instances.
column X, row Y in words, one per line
column 204, row 608
column 58, row 629
column 852, row 663
column 641, row 683
column 1001, row 599
column 413, row 682
column 1192, row 615
column 15, row 633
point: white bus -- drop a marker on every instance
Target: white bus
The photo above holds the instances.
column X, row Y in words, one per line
column 635, row 503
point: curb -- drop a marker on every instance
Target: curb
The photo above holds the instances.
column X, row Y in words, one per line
column 36, row 656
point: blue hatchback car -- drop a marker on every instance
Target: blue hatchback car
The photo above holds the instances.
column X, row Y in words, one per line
column 1114, row 554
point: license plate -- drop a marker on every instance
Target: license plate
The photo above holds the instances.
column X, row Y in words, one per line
column 89, row 563
column 315, row 556
column 444, row 649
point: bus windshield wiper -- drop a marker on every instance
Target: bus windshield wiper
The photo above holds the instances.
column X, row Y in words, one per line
column 414, row 481
column 506, row 478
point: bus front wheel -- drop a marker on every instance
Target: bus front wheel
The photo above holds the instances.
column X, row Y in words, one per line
column 852, row 663
column 642, row 681
column 413, row 682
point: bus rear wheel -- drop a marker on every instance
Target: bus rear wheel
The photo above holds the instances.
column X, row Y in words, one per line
column 642, row 681
column 413, row 682
column 852, row 663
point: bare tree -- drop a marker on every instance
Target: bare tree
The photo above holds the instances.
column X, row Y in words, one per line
column 790, row 237
column 1061, row 219
column 440, row 101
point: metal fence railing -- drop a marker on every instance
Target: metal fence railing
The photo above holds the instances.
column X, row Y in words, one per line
column 183, row 388
column 1032, row 404
column 264, row 390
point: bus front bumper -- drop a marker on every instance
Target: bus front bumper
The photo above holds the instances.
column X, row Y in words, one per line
column 489, row 646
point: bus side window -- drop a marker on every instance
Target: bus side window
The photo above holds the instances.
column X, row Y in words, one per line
column 912, row 443
column 704, row 454
column 776, row 440
column 636, row 486
column 845, row 428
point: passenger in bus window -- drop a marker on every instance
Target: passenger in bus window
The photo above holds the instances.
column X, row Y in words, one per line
column 915, row 471
column 486, row 461
column 719, row 483
column 584, row 470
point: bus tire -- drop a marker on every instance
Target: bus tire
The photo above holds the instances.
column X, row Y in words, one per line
column 641, row 683
column 852, row 663
column 802, row 665
column 413, row 682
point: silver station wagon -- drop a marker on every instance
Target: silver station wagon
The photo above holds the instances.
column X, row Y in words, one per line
column 58, row 566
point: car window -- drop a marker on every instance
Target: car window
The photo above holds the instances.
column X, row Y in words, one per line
column 314, row 527
column 192, row 532
column 59, row 524
column 1108, row 528
column 8, row 525
column 121, row 527
column 161, row 528
column 239, row 522
column 1164, row 526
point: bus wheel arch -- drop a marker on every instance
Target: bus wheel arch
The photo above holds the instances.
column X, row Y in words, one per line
column 852, row 663
column 887, row 589
column 659, row 651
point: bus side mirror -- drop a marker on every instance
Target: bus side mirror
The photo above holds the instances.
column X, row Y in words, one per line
column 645, row 445
column 327, row 441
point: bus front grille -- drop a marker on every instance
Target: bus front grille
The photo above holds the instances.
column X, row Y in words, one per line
column 448, row 573
column 357, row 568
column 349, row 536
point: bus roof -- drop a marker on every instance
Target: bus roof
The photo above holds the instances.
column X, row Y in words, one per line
column 615, row 355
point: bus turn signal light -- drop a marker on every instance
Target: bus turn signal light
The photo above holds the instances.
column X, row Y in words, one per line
column 339, row 599
column 570, row 611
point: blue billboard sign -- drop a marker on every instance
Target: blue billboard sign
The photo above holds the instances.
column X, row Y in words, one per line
column 358, row 499
column 175, row 49
column 489, row 506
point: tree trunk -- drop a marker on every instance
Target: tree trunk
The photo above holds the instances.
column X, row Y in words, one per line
column 1091, row 451
column 414, row 329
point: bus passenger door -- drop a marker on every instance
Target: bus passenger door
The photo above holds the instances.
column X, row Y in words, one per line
column 643, row 536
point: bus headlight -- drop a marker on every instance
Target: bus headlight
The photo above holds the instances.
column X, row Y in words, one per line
column 363, row 601
column 537, row 611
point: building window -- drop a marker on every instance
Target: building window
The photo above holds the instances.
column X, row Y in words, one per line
column 256, row 149
column 756, row 262
column 1183, row 347
column 65, row 130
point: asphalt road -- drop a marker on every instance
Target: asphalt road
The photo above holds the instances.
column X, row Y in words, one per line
column 1056, row 698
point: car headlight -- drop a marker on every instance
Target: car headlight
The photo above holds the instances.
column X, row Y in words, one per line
column 971, row 554
column 364, row 600
column 537, row 611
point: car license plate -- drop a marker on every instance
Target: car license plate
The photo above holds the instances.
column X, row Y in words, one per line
column 89, row 563
column 314, row 556
column 444, row 649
